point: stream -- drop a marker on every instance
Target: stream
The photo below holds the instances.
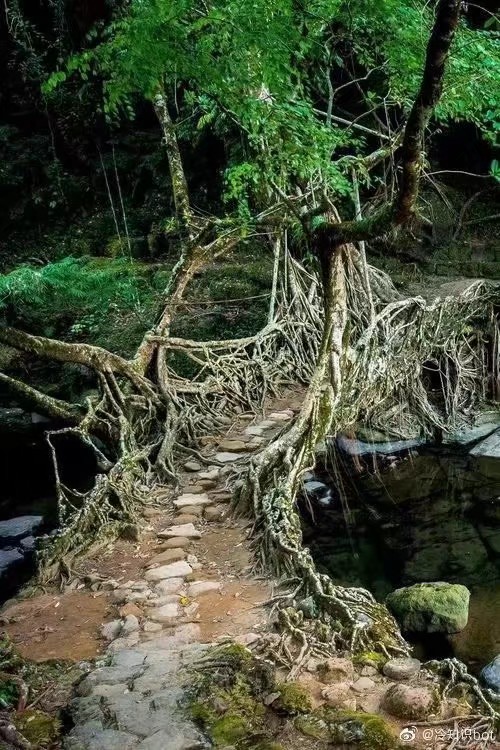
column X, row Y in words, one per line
column 424, row 513
column 28, row 507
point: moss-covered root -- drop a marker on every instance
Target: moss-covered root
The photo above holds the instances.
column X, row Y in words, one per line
column 363, row 731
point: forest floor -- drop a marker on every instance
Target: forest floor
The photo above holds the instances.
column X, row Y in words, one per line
column 140, row 612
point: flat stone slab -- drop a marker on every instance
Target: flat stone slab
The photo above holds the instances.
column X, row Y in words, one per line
column 488, row 448
column 188, row 499
column 90, row 738
column 187, row 530
column 20, row 527
column 198, row 588
column 255, row 430
column 178, row 569
column 232, row 446
column 166, row 614
column 175, row 542
column 168, row 556
column 169, row 586
column 228, row 458
column 192, row 466
column 280, row 416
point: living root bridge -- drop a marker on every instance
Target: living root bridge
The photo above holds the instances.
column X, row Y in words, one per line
column 370, row 370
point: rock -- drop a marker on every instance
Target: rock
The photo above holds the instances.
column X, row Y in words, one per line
column 152, row 627
column 28, row 543
column 215, row 512
column 19, row 528
column 364, row 685
column 193, row 510
column 87, row 737
column 415, row 702
column 8, row 558
column 169, row 586
column 232, row 446
column 254, row 430
column 247, row 639
column 491, row 674
column 369, row 671
column 210, row 475
column 176, row 542
column 336, row 670
column 183, row 737
column 281, row 416
column 121, row 644
column 130, row 658
column 111, row 630
column 339, row 696
column 167, row 614
column 191, row 499
column 184, row 518
column 401, row 669
column 109, row 676
column 208, row 484
column 198, row 588
column 174, row 570
column 227, row 458
column 488, row 448
column 192, row 466
column 170, row 555
column 131, row 609
column 131, row 625
column 431, row 607
column 359, row 448
column 308, row 607
column 184, row 530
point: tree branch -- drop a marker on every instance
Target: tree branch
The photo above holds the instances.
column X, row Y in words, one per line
column 93, row 357
column 52, row 407
column 402, row 208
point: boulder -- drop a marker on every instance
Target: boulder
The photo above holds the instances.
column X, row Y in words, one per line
column 8, row 558
column 401, row 669
column 431, row 607
column 490, row 675
column 415, row 702
column 18, row 528
column 186, row 530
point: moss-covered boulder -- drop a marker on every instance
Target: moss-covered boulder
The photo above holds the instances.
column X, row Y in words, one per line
column 431, row 607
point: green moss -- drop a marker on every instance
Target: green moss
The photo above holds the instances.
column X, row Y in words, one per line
column 370, row 659
column 367, row 731
column 229, row 729
column 431, row 607
column 38, row 727
column 312, row 726
column 293, row 698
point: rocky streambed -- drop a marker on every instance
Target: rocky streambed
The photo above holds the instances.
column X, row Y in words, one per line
column 386, row 515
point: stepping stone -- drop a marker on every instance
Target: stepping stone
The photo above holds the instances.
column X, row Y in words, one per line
column 227, row 458
column 232, row 445
column 193, row 510
column 183, row 530
column 215, row 512
column 111, row 630
column 267, row 424
column 254, row 430
column 192, row 466
column 280, row 416
column 152, row 627
column 178, row 569
column 186, row 518
column 208, row 484
column 402, row 668
column 363, row 685
column 131, row 609
column 131, row 625
column 188, row 499
column 167, row 614
column 212, row 474
column 170, row 555
column 198, row 588
column 177, row 541
column 169, row 586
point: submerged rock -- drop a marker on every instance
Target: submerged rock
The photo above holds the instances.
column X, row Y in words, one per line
column 488, row 448
column 491, row 674
column 431, row 607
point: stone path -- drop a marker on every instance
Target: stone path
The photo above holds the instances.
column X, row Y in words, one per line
column 134, row 698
